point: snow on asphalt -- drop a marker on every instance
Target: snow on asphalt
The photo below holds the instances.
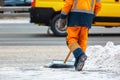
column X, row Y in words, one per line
column 103, row 63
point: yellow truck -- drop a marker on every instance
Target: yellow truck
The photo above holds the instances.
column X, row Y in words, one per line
column 47, row 12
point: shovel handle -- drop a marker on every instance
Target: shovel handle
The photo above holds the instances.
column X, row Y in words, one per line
column 67, row 57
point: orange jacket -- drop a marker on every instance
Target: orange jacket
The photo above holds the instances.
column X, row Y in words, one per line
column 80, row 12
column 87, row 6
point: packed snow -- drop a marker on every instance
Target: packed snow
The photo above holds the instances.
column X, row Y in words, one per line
column 103, row 63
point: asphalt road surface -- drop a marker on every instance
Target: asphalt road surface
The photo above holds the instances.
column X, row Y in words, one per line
column 31, row 34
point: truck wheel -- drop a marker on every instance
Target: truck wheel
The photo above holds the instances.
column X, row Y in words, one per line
column 55, row 27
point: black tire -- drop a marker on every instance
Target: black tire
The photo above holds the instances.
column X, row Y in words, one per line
column 55, row 28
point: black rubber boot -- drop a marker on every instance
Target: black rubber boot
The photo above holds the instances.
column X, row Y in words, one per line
column 81, row 62
column 80, row 58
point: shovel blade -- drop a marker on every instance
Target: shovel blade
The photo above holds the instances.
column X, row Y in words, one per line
column 60, row 64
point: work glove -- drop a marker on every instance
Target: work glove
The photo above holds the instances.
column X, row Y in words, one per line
column 62, row 23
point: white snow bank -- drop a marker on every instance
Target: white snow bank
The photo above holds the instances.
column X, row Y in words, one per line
column 107, row 57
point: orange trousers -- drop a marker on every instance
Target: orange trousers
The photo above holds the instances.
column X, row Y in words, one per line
column 77, row 37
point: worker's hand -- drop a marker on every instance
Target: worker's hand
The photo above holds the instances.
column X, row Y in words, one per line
column 62, row 23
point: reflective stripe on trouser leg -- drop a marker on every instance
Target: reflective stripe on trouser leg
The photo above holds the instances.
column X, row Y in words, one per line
column 72, row 38
column 83, row 38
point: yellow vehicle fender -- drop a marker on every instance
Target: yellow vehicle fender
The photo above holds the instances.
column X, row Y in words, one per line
column 55, row 4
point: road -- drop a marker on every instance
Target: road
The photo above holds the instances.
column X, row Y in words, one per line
column 30, row 34
column 26, row 48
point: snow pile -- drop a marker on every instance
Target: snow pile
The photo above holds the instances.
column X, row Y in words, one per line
column 107, row 57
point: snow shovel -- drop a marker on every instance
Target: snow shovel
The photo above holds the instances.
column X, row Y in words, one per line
column 61, row 63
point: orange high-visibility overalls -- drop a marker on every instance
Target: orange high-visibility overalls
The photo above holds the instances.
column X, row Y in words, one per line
column 80, row 14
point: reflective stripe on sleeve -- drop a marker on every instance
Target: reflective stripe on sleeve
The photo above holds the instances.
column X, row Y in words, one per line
column 62, row 12
column 92, row 4
column 97, row 0
column 75, row 4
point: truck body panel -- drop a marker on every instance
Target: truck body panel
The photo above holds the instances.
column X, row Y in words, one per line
column 47, row 11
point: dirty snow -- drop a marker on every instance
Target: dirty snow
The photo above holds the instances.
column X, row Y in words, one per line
column 103, row 63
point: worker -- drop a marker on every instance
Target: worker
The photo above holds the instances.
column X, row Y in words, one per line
column 79, row 15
